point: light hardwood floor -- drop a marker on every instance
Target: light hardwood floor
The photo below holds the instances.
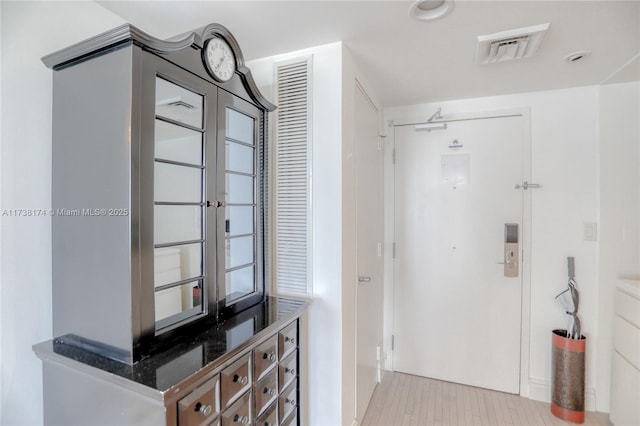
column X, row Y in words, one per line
column 403, row 399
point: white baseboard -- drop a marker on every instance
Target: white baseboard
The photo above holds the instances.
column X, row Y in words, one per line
column 540, row 390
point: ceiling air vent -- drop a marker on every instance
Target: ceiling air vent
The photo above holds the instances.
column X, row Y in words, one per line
column 509, row 45
column 175, row 102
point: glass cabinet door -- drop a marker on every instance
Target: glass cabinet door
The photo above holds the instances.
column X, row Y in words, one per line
column 203, row 163
column 239, row 128
column 179, row 203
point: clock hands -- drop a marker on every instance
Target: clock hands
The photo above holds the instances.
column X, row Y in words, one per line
column 220, row 62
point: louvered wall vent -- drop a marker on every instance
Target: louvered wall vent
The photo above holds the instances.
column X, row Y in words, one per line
column 509, row 45
column 292, row 177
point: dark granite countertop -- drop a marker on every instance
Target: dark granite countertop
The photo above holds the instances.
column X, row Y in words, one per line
column 188, row 355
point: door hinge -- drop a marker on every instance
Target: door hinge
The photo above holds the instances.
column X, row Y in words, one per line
column 393, row 342
column 380, row 141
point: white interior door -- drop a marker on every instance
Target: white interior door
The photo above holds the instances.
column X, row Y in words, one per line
column 369, row 257
column 456, row 316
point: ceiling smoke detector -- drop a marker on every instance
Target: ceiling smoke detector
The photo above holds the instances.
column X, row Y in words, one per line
column 428, row 10
column 509, row 45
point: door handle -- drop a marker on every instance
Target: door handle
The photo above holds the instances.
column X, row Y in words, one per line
column 526, row 185
column 363, row 279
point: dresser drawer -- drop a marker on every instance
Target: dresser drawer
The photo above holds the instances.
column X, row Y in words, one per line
column 265, row 391
column 235, row 379
column 628, row 307
column 288, row 400
column 626, row 341
column 287, row 370
column 239, row 413
column 201, row 406
column 287, row 339
column 265, row 356
column 269, row 417
column 625, row 392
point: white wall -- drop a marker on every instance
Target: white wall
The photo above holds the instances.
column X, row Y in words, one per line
column 324, row 318
column 331, row 316
column 564, row 140
column 29, row 31
column 619, row 210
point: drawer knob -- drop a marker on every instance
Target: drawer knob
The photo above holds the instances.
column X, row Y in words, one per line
column 271, row 392
column 290, row 370
column 270, row 357
column 204, row 409
column 268, row 424
column 291, row 402
column 241, row 420
column 240, row 379
column 290, row 339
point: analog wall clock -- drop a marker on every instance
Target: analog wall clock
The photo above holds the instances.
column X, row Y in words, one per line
column 219, row 59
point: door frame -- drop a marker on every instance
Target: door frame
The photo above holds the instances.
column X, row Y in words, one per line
column 389, row 226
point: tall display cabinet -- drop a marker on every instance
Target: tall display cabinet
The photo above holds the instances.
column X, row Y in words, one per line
column 159, row 218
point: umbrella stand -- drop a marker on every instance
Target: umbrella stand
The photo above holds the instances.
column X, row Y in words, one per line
column 568, row 358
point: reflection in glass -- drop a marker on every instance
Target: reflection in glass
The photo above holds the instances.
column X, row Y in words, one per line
column 240, row 126
column 173, row 264
column 240, row 251
column 239, row 220
column 177, row 183
column 239, row 158
column 179, row 104
column 239, row 189
column 178, row 138
column 166, row 266
column 177, row 223
column 177, row 143
column 176, row 300
column 240, row 282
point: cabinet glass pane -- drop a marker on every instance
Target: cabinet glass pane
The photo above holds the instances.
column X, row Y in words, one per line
column 173, row 264
column 239, row 220
column 240, row 283
column 240, row 126
column 239, row 251
column 179, row 104
column 239, row 189
column 177, row 223
column 176, row 300
column 239, row 158
column 177, row 143
column 177, row 183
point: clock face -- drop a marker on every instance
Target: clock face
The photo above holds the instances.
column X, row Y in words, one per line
column 219, row 59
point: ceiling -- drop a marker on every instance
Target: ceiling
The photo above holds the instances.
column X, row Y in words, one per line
column 409, row 61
